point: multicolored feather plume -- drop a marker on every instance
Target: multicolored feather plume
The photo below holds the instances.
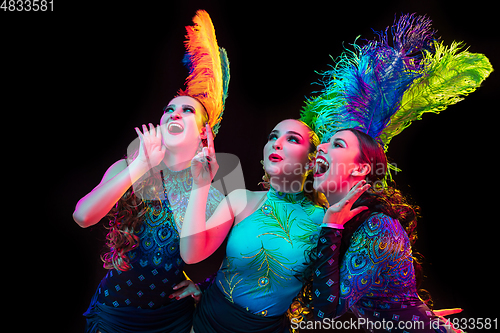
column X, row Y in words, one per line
column 451, row 75
column 380, row 89
column 365, row 87
column 208, row 65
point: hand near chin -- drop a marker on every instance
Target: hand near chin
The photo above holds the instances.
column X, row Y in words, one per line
column 151, row 149
column 341, row 212
column 204, row 165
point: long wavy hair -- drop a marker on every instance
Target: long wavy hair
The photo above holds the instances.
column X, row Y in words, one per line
column 316, row 197
column 125, row 217
column 127, row 214
column 384, row 197
column 381, row 197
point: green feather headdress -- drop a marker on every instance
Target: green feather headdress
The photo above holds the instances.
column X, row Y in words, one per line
column 452, row 74
column 380, row 89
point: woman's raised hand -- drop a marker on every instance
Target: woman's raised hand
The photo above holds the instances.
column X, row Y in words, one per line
column 204, row 165
column 341, row 212
column 151, row 149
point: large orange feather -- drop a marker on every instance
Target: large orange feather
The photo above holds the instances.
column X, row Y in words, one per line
column 206, row 81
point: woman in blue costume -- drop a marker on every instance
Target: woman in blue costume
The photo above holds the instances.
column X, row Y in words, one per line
column 371, row 95
column 377, row 276
column 146, row 196
column 270, row 234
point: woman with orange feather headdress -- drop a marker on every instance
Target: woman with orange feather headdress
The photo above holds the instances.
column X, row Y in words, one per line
column 145, row 197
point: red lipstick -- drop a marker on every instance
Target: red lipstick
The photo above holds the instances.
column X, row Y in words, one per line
column 275, row 157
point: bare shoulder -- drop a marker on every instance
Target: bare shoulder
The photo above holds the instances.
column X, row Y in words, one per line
column 246, row 202
column 257, row 195
column 238, row 199
column 246, row 196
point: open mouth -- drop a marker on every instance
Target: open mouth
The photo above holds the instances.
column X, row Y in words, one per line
column 175, row 128
column 321, row 166
column 275, row 158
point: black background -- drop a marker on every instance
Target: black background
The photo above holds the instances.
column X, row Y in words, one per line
column 76, row 81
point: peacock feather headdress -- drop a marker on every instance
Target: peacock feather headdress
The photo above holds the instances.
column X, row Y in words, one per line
column 208, row 66
column 380, row 88
column 451, row 75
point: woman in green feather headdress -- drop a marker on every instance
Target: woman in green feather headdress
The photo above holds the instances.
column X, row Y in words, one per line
column 369, row 96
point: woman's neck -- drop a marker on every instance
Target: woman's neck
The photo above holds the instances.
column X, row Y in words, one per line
column 338, row 194
column 334, row 197
column 178, row 160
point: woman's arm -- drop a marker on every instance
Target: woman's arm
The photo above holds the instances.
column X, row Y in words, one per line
column 118, row 178
column 199, row 237
column 326, row 274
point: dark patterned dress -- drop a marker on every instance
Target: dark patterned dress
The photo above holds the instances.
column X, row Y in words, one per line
column 377, row 280
column 137, row 300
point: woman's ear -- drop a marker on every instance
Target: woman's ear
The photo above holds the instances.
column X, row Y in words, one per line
column 361, row 170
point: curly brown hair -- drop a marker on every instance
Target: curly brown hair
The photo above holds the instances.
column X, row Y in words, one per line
column 383, row 196
column 126, row 217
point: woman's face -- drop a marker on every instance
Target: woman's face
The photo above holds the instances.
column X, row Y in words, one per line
column 287, row 148
column 182, row 122
column 335, row 163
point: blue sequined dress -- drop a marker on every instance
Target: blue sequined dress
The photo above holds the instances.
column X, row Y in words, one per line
column 138, row 300
column 256, row 283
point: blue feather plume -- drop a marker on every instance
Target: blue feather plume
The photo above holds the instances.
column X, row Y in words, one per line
column 365, row 87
